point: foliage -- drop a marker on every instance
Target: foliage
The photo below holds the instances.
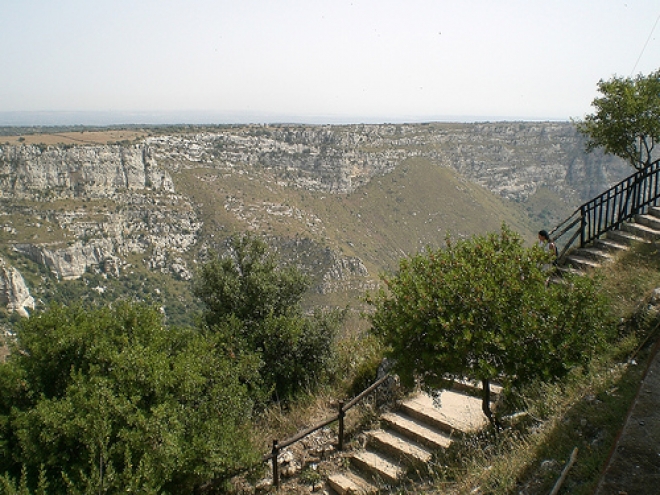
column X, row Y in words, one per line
column 481, row 308
column 627, row 119
column 110, row 401
column 255, row 305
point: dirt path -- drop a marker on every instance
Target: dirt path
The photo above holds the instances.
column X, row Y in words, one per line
column 634, row 466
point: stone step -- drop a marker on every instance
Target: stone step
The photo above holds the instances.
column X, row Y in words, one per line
column 650, row 221
column 654, row 211
column 624, row 237
column 416, row 430
column 378, row 466
column 611, row 245
column 582, row 263
column 641, row 231
column 594, row 253
column 566, row 270
column 474, row 388
column 399, row 447
column 349, row 483
column 451, row 411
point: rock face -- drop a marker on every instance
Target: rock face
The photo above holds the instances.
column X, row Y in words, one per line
column 136, row 210
column 14, row 294
column 85, row 171
column 512, row 159
column 73, row 261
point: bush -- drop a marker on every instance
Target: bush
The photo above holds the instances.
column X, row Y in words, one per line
column 481, row 308
column 255, row 305
column 111, row 401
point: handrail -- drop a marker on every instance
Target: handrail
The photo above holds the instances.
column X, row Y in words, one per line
column 341, row 412
column 608, row 211
column 272, row 456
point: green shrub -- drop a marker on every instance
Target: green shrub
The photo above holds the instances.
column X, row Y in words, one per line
column 109, row 400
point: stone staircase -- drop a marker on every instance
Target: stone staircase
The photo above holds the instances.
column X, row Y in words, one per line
column 645, row 228
column 407, row 439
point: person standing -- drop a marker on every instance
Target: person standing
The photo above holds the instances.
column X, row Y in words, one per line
column 546, row 243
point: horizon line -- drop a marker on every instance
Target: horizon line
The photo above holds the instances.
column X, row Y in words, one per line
column 91, row 118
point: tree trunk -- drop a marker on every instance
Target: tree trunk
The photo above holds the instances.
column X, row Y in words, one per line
column 485, row 401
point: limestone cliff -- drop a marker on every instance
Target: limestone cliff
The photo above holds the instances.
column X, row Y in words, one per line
column 105, row 208
column 81, row 171
column 72, row 261
column 512, row 159
column 14, row 294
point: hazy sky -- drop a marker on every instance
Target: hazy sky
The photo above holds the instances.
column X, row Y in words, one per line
column 317, row 60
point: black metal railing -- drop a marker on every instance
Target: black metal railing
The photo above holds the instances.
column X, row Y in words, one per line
column 342, row 408
column 277, row 446
column 632, row 196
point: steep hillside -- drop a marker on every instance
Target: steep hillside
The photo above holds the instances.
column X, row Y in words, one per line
column 101, row 221
column 346, row 240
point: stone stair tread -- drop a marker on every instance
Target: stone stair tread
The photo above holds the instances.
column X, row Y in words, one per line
column 649, row 220
column 640, row 230
column 594, row 252
column 654, row 211
column 417, row 430
column 377, row 465
column 626, row 236
column 611, row 245
column 400, row 446
column 570, row 270
column 465, row 384
column 350, row 484
column 582, row 261
column 457, row 411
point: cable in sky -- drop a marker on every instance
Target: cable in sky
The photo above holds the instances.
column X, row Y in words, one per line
column 645, row 44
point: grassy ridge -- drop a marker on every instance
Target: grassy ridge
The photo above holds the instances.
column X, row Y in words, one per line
column 394, row 215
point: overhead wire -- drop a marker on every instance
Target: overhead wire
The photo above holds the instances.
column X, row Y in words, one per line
column 645, row 45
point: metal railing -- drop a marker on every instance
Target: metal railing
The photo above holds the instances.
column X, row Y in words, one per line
column 342, row 408
column 632, row 196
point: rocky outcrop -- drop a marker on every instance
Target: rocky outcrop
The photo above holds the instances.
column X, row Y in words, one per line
column 512, row 159
column 14, row 294
column 35, row 172
column 73, row 261
column 346, row 273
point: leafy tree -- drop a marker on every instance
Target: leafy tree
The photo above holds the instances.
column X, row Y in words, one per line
column 480, row 308
column 255, row 304
column 249, row 284
column 110, row 401
column 627, row 119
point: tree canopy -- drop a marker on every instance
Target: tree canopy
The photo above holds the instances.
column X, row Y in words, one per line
column 110, row 401
column 480, row 308
column 626, row 122
column 255, row 303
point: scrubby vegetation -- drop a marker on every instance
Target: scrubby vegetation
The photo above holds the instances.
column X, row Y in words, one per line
column 110, row 400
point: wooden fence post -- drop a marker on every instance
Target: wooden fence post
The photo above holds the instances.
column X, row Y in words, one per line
column 342, row 413
column 276, row 474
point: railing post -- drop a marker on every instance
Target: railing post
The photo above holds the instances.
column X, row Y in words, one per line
column 636, row 189
column 583, row 225
column 276, row 474
column 342, row 413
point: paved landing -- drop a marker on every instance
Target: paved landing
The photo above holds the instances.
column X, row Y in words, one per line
column 634, row 467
